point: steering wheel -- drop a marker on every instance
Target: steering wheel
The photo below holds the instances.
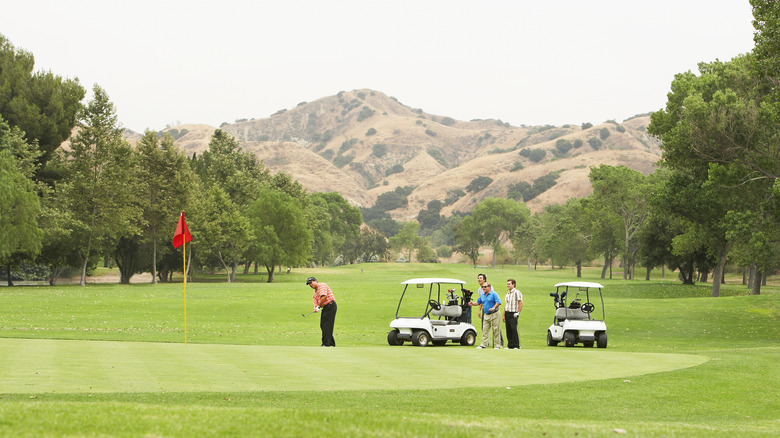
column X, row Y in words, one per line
column 588, row 307
column 434, row 305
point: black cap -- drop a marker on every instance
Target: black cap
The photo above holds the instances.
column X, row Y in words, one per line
column 309, row 280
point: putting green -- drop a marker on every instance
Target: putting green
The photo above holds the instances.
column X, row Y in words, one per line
column 62, row 366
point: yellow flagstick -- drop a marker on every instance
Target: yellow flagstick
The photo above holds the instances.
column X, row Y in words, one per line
column 184, row 261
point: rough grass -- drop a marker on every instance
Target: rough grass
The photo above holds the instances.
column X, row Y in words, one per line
column 731, row 392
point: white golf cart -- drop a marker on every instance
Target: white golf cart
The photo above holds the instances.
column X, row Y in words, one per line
column 574, row 323
column 453, row 314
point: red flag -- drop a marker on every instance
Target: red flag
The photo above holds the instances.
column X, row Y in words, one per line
column 182, row 234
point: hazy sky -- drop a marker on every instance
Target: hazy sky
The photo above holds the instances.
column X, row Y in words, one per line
column 524, row 62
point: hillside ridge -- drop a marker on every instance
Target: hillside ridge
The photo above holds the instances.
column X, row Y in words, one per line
column 363, row 143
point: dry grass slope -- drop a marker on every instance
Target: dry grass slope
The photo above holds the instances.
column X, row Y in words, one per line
column 349, row 143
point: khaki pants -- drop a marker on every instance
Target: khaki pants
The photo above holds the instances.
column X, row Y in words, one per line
column 491, row 322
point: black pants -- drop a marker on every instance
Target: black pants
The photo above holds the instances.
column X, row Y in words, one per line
column 327, row 321
column 513, row 340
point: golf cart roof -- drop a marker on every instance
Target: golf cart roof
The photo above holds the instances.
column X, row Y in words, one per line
column 433, row 281
column 579, row 284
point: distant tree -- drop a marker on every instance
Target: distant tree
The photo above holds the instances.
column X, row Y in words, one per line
column 479, row 183
column 370, row 132
column 220, row 232
column 407, row 239
column 390, row 201
column 604, row 133
column 379, row 150
column 498, row 220
column 563, row 145
column 595, row 143
column 281, row 232
column 19, row 209
column 468, row 237
column 447, row 121
column 587, row 125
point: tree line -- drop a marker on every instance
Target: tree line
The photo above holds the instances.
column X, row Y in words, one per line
column 715, row 198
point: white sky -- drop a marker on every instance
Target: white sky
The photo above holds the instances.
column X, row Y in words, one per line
column 522, row 61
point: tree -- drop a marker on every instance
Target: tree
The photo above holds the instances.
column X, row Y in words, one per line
column 238, row 173
column 41, row 104
column 102, row 181
column 166, row 180
column 344, row 219
column 468, row 238
column 281, row 232
column 499, row 219
column 407, row 239
column 222, row 232
column 625, row 193
column 19, row 208
column 564, row 238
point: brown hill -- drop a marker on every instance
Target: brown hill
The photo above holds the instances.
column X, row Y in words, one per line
column 362, row 143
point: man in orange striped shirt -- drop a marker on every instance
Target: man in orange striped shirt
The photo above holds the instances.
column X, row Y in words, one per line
column 325, row 303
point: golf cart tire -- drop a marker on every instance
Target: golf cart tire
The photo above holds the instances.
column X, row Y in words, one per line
column 601, row 340
column 392, row 338
column 421, row 338
column 469, row 338
column 550, row 341
column 439, row 342
column 569, row 339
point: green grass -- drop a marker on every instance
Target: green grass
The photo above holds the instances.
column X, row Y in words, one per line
column 679, row 363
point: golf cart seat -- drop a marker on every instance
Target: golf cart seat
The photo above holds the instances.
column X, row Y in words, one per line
column 448, row 311
column 565, row 313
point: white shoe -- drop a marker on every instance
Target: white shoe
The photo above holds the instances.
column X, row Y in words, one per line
column 479, row 347
column 497, row 348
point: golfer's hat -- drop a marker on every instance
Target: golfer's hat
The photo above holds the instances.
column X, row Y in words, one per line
column 309, row 280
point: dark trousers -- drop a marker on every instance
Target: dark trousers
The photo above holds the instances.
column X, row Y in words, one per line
column 513, row 340
column 327, row 321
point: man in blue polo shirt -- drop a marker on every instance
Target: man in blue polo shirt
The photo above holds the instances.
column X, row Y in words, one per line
column 492, row 321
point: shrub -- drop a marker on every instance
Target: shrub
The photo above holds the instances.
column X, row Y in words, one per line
column 347, row 145
column 390, row 201
column 398, row 168
column 577, row 143
column 264, row 137
column 563, row 145
column 537, row 155
column 327, row 135
column 342, row 160
column 518, row 191
column 517, row 165
column 279, row 112
column 444, row 251
column 361, row 95
column 365, row 113
column 453, row 196
column 604, row 133
column 370, row 132
column 620, row 128
column 379, row 150
column 595, row 143
column 436, row 155
column 447, row 121
column 587, row 125
column 430, row 132
column 479, row 183
column 327, row 154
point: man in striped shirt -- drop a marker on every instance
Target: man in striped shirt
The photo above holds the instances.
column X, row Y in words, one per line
column 514, row 305
column 325, row 303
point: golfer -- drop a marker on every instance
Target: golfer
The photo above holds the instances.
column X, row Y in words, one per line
column 325, row 303
column 490, row 303
column 514, row 305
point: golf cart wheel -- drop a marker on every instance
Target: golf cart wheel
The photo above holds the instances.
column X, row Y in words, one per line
column 569, row 338
column 468, row 339
column 392, row 338
column 550, row 341
column 420, row 338
column 439, row 342
column 601, row 340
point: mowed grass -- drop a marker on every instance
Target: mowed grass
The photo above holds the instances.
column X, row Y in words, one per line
column 679, row 363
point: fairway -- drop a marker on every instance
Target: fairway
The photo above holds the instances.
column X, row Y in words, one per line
column 65, row 366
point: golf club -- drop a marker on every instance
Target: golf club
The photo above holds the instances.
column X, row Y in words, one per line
column 307, row 314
